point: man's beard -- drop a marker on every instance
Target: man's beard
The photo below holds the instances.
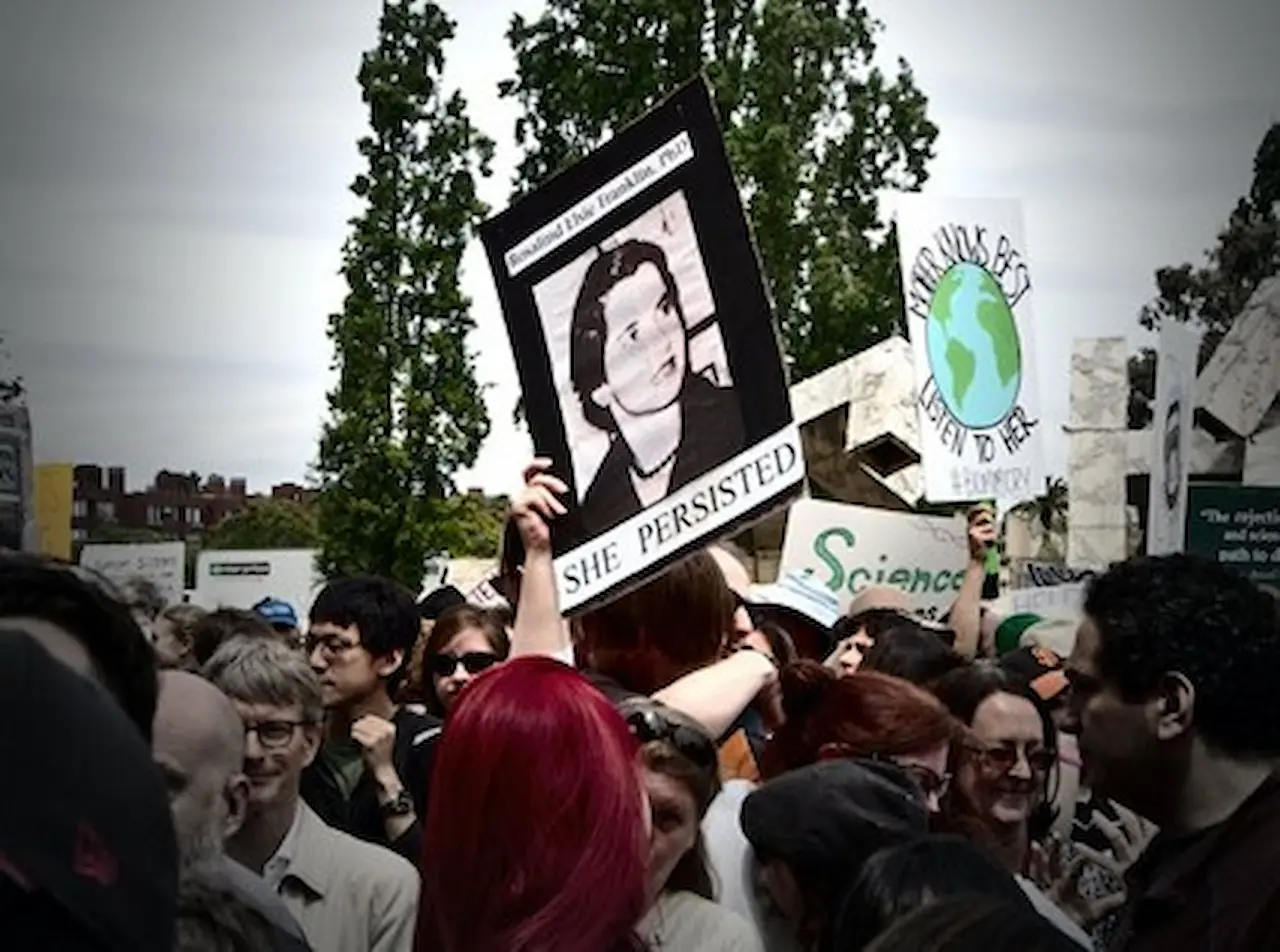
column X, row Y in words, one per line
column 201, row 847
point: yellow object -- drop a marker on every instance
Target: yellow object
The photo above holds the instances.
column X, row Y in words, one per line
column 54, row 494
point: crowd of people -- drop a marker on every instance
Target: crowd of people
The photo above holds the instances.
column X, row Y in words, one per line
column 700, row 765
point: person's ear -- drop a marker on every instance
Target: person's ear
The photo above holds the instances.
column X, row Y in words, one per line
column 312, row 735
column 1174, row 706
column 237, row 804
column 390, row 663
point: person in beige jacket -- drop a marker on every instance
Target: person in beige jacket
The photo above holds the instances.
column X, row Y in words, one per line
column 347, row 895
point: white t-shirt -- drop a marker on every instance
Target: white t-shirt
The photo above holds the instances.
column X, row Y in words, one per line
column 683, row 922
column 733, row 867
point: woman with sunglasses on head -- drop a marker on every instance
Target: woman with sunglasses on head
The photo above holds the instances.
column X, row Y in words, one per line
column 463, row 642
column 1004, row 772
column 680, row 770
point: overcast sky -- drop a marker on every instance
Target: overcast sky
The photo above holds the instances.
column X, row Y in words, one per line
column 173, row 191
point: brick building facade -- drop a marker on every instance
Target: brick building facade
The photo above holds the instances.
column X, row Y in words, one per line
column 179, row 505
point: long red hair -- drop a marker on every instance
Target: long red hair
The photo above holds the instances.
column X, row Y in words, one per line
column 535, row 834
column 866, row 714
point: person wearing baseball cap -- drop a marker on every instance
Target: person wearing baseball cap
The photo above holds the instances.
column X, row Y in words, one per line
column 88, row 856
column 279, row 615
column 800, row 605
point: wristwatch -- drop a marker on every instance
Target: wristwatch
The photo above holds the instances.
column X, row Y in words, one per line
column 402, row 805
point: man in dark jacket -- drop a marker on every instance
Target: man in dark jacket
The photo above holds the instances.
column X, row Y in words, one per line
column 1173, row 684
column 372, row 774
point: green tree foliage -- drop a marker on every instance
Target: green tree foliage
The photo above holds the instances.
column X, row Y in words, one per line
column 407, row 412
column 1213, row 295
column 266, row 524
column 473, row 525
column 813, row 132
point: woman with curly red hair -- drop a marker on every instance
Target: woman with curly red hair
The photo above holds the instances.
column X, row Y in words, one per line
column 538, row 823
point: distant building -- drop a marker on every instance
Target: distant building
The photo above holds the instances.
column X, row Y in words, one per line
column 178, row 505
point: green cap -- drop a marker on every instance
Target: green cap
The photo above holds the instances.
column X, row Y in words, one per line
column 1010, row 630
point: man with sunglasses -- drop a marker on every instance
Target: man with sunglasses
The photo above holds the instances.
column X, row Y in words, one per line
column 345, row 893
column 371, row 776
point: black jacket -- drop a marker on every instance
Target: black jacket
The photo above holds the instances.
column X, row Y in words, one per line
column 711, row 434
column 361, row 816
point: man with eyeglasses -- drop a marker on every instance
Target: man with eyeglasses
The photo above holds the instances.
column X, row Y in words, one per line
column 371, row 775
column 345, row 893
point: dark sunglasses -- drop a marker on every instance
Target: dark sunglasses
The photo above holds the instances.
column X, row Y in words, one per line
column 473, row 662
column 650, row 726
column 929, row 782
column 1001, row 759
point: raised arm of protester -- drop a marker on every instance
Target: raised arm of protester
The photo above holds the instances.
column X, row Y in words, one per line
column 966, row 611
column 539, row 628
column 716, row 696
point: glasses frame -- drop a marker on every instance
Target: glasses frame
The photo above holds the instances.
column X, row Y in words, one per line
column 270, row 745
column 999, row 759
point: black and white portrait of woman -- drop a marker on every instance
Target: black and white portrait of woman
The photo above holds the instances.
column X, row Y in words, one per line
column 641, row 373
column 1172, row 450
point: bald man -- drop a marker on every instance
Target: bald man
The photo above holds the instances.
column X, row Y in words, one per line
column 198, row 744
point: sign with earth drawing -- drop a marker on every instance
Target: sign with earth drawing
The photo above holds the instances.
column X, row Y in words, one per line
column 967, row 284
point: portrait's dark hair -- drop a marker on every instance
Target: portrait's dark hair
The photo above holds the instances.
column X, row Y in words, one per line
column 212, row 919
column 679, row 619
column 384, row 612
column 210, row 632
column 446, row 628
column 1194, row 616
column 904, row 647
column 588, row 331
column 963, row 691
column 91, row 610
column 866, row 714
column 898, row 879
column 964, row 924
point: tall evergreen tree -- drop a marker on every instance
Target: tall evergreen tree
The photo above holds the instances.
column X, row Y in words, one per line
column 1213, row 295
column 407, row 412
column 813, row 132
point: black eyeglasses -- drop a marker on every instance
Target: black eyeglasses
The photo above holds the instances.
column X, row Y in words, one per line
column 274, row 734
column 1002, row 758
column 650, row 726
column 473, row 662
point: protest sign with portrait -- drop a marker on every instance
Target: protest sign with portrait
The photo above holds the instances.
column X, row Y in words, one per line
column 636, row 309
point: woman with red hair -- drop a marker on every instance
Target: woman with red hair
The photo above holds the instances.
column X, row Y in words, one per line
column 865, row 714
column 537, row 822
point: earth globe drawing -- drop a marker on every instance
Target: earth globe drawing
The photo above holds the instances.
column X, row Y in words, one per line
column 971, row 339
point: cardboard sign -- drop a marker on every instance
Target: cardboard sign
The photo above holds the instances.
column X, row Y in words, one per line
column 54, row 506
column 1173, row 411
column 850, row 548
column 161, row 563
column 1237, row 526
column 1060, row 602
column 1049, row 574
column 646, row 350
column 240, row 578
column 967, row 281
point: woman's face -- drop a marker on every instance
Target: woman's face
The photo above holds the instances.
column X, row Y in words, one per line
column 929, row 770
column 847, row 657
column 675, row 827
column 463, row 649
column 1004, row 773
